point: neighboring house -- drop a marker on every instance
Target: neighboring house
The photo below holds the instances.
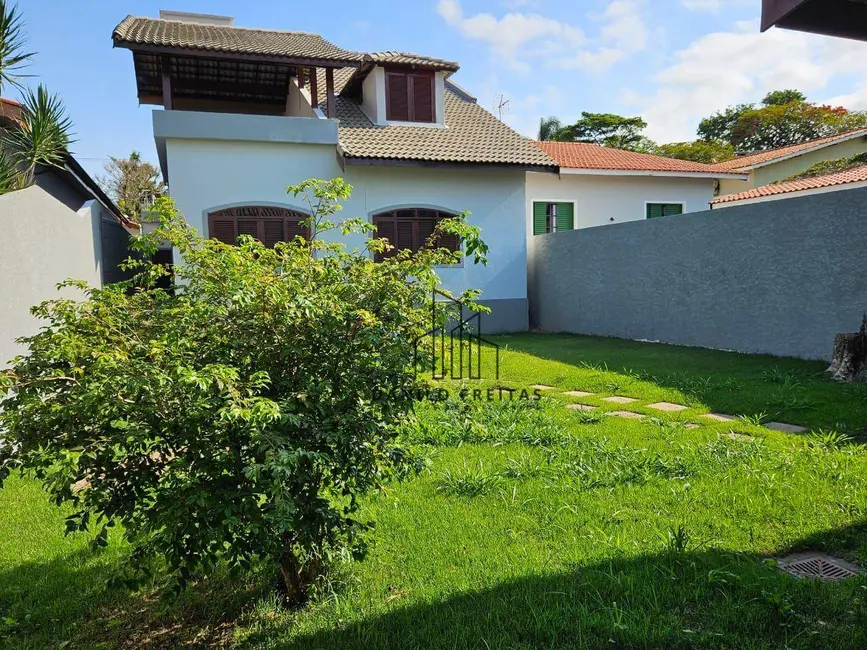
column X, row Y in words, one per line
column 247, row 112
column 845, row 18
column 63, row 226
column 779, row 164
column 601, row 185
column 847, row 180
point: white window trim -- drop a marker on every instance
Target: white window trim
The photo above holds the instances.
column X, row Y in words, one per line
column 681, row 203
column 533, row 202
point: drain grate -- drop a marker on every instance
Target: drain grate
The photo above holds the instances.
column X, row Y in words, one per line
column 818, row 565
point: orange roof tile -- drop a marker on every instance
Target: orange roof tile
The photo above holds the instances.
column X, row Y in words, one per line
column 747, row 162
column 582, row 155
column 856, row 175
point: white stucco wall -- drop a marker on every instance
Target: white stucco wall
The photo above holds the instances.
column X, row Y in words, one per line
column 601, row 200
column 42, row 243
column 207, row 174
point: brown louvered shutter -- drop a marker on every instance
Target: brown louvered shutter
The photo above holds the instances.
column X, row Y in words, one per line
column 295, row 229
column 422, row 88
column 397, row 97
column 427, row 223
column 385, row 229
column 223, row 230
column 406, row 235
column 248, row 227
column 273, row 230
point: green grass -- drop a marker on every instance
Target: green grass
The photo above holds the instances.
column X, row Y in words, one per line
column 535, row 526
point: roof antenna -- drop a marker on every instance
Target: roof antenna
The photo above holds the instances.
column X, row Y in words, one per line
column 501, row 105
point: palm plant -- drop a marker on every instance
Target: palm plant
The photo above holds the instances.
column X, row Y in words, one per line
column 41, row 135
column 548, row 128
column 13, row 56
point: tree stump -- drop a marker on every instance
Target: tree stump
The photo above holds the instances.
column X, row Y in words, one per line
column 849, row 361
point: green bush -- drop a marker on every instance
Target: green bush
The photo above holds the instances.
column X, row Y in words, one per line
column 239, row 417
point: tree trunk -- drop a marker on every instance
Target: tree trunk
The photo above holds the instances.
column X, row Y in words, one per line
column 849, row 361
column 293, row 581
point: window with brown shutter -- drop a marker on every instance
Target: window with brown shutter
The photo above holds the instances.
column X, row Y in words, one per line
column 266, row 223
column 410, row 229
column 410, row 96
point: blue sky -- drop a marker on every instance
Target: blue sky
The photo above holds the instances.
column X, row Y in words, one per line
column 670, row 61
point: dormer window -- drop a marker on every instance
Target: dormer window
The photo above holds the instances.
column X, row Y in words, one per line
column 410, row 96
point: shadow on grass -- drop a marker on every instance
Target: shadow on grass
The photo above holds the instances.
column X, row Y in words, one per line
column 68, row 600
column 685, row 599
column 791, row 390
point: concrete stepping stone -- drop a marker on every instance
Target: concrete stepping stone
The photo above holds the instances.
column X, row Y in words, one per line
column 619, row 400
column 581, row 407
column 719, row 417
column 733, row 435
column 578, row 393
column 542, row 387
column 626, row 414
column 785, row 428
column 691, row 425
column 668, row 407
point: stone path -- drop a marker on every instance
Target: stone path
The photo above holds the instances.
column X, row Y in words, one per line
column 668, row 407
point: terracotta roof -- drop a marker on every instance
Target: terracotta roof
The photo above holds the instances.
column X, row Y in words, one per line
column 473, row 136
column 582, row 155
column 856, row 175
column 748, row 162
column 9, row 109
column 134, row 31
column 404, row 58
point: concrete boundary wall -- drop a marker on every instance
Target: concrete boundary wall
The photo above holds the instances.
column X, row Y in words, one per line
column 780, row 278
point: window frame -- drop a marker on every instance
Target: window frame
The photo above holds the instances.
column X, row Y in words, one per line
column 260, row 213
column 384, row 214
column 411, row 74
column 647, row 205
column 551, row 218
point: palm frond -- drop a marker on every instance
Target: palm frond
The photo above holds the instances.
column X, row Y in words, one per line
column 13, row 56
column 42, row 137
column 10, row 173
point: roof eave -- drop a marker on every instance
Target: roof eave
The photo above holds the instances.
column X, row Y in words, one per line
column 581, row 171
column 244, row 56
column 371, row 161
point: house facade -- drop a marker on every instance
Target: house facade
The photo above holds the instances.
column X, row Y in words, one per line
column 777, row 165
column 248, row 112
column 599, row 185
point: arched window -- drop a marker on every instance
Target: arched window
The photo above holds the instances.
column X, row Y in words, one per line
column 410, row 228
column 268, row 224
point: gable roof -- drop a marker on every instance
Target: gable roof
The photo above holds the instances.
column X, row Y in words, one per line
column 473, row 135
column 586, row 156
column 856, row 175
column 136, row 31
column 746, row 163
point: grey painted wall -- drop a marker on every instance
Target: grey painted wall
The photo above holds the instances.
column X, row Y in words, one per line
column 781, row 277
column 42, row 243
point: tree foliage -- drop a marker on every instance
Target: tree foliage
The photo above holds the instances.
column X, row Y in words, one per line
column 606, row 129
column 784, row 118
column 239, row 418
column 132, row 184
column 708, row 152
column 548, row 128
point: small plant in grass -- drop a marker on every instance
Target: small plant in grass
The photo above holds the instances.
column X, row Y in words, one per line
column 523, row 467
column 239, row 418
column 468, row 482
column 785, row 377
column 828, row 439
column 757, row 419
column 678, row 540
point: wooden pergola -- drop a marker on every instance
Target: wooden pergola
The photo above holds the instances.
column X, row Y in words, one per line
column 167, row 76
column 844, row 18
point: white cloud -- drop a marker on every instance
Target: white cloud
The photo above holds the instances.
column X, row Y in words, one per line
column 724, row 68
column 713, row 6
column 516, row 37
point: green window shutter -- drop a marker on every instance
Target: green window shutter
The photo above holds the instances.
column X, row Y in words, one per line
column 565, row 216
column 540, row 218
column 672, row 208
column 655, row 210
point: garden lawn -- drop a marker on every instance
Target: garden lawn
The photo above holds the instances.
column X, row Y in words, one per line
column 535, row 526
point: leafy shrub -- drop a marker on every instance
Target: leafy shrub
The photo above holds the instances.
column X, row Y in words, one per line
column 239, row 417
